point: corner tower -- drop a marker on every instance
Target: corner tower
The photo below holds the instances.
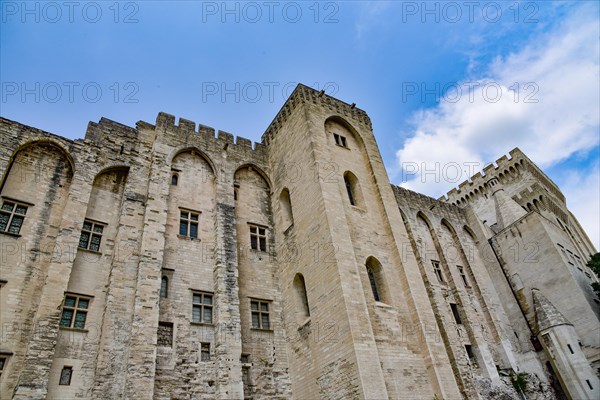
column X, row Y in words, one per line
column 357, row 324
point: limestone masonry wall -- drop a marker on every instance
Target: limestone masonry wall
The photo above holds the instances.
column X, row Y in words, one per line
column 172, row 261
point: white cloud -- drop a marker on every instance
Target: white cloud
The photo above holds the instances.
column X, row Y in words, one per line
column 582, row 189
column 561, row 69
column 563, row 64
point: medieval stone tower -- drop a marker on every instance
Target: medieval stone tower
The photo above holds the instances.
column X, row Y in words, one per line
column 164, row 262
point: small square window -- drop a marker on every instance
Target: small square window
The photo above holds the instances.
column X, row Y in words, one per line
column 65, row 376
column 258, row 238
column 12, row 216
column 91, row 235
column 260, row 314
column 340, row 140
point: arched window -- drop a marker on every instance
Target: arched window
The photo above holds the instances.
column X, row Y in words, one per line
column 301, row 296
column 353, row 189
column 174, row 179
column 164, row 287
column 286, row 208
column 375, row 274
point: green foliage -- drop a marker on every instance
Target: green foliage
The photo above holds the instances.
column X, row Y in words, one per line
column 519, row 381
column 594, row 265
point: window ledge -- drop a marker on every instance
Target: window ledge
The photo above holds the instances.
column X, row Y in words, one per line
column 383, row 305
column 262, row 330
column 343, row 147
column 16, row 235
column 64, row 328
column 90, row 251
column 201, row 323
column 188, row 238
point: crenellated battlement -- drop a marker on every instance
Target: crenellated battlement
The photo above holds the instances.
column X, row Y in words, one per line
column 423, row 202
column 505, row 169
column 166, row 122
column 303, row 94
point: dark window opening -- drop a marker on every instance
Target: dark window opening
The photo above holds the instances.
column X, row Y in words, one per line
column 204, row 352
column 438, row 270
column 455, row 313
column 65, row 376
column 174, row 180
column 164, row 287
column 373, row 284
column 340, row 140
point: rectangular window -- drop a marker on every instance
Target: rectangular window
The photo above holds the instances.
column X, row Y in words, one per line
column 65, row 376
column 165, row 334
column 570, row 348
column 188, row 223
column 258, row 238
column 454, row 308
column 438, row 270
column 461, row 271
column 260, row 314
column 74, row 311
column 3, row 362
column 340, row 140
column 91, row 235
column 470, row 353
column 204, row 352
column 12, row 216
column 202, row 307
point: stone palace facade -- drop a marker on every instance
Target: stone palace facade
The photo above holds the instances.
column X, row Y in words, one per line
column 163, row 261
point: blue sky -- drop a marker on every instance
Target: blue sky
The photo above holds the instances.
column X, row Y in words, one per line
column 231, row 66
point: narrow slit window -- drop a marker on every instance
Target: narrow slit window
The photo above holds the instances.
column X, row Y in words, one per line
column 373, row 283
column 164, row 287
column 204, row 352
column 461, row 271
column 174, row 179
column 455, row 313
column 438, row 270
column 65, row 376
